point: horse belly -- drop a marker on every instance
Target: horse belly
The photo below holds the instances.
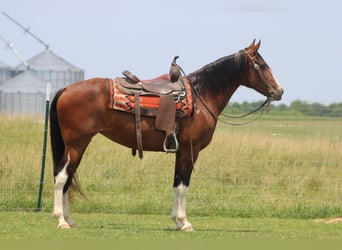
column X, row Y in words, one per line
column 121, row 129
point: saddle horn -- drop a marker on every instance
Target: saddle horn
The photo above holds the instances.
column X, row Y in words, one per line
column 174, row 70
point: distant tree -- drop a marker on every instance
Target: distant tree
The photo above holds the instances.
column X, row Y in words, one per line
column 335, row 109
column 296, row 107
column 282, row 107
column 317, row 109
column 299, row 106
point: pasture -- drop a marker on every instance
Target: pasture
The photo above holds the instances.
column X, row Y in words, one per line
column 270, row 179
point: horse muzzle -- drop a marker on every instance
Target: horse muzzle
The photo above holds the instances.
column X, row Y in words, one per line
column 277, row 94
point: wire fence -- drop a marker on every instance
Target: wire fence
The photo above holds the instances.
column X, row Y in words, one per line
column 278, row 166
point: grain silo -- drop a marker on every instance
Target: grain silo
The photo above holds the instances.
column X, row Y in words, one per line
column 53, row 68
column 24, row 93
column 6, row 72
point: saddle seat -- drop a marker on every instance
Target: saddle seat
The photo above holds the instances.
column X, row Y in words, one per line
column 160, row 86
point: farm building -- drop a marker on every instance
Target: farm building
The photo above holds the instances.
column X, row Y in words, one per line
column 6, row 72
column 24, row 93
column 53, row 68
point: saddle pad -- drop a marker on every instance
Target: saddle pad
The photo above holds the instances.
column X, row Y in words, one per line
column 149, row 104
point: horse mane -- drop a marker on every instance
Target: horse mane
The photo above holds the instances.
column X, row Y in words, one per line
column 214, row 77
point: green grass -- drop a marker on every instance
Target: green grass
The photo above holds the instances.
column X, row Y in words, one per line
column 285, row 169
column 30, row 225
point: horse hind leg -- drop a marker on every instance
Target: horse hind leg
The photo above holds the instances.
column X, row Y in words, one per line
column 66, row 210
column 183, row 170
column 59, row 199
column 61, row 209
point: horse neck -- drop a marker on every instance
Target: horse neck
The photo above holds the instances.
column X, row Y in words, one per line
column 217, row 82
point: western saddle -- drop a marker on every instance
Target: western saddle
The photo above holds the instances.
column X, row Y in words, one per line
column 168, row 89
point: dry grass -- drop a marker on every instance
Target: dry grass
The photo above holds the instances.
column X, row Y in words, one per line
column 276, row 167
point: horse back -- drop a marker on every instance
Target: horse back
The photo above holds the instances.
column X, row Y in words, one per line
column 82, row 93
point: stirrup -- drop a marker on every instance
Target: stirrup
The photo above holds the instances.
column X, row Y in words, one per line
column 175, row 141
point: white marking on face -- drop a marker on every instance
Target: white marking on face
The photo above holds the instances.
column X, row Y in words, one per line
column 276, row 80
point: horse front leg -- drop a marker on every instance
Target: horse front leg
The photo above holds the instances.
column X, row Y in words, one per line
column 178, row 210
column 183, row 170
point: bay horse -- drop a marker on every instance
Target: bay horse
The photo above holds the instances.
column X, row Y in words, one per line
column 79, row 111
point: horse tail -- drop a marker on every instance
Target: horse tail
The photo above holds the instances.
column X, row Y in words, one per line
column 57, row 143
column 58, row 146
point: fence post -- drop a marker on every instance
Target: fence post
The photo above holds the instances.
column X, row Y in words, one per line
column 41, row 183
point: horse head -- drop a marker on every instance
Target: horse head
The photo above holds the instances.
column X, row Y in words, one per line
column 259, row 75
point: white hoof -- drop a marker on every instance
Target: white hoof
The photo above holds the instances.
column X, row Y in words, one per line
column 182, row 224
column 186, row 229
column 63, row 226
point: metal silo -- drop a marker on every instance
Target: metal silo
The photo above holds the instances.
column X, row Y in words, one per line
column 53, row 68
column 24, row 93
column 6, row 72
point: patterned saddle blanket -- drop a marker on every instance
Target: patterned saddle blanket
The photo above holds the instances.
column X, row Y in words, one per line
column 121, row 99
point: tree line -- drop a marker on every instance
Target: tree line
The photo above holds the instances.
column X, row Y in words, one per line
column 296, row 107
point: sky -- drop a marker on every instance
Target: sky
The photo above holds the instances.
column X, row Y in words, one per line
column 300, row 40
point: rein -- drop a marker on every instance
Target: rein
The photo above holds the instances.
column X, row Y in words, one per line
column 265, row 105
column 249, row 113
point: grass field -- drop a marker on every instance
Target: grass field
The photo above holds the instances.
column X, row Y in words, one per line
column 270, row 179
column 30, row 225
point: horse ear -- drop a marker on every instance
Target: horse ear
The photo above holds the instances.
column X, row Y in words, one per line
column 258, row 45
column 252, row 44
column 253, row 48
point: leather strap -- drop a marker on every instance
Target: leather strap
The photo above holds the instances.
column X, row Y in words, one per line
column 131, row 76
column 138, row 123
column 165, row 119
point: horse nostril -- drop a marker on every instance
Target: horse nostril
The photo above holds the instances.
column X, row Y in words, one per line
column 280, row 94
column 276, row 95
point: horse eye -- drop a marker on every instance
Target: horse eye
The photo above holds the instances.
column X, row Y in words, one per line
column 256, row 66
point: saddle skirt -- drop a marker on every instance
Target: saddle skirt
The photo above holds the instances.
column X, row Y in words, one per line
column 149, row 102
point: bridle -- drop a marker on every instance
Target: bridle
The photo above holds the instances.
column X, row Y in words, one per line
column 256, row 66
column 264, row 105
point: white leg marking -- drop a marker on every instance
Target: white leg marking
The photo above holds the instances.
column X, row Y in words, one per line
column 178, row 211
column 66, row 210
column 60, row 181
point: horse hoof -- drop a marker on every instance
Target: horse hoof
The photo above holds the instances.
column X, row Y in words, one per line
column 63, row 226
column 74, row 225
column 188, row 229
column 185, row 229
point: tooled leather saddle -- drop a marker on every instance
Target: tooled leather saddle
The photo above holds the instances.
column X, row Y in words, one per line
column 169, row 89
